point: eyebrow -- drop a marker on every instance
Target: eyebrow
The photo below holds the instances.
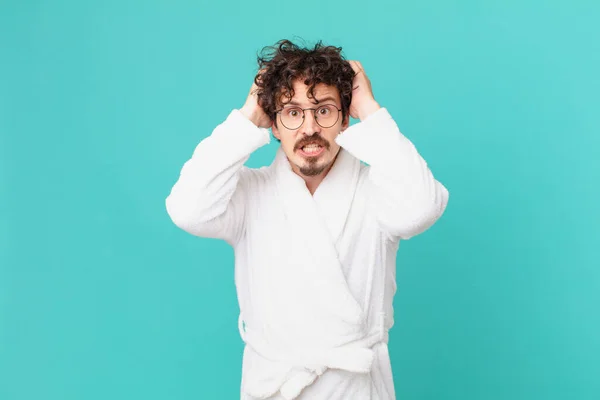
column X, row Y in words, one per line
column 295, row 103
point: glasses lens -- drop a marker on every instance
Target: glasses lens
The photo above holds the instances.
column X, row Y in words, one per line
column 326, row 116
column 292, row 117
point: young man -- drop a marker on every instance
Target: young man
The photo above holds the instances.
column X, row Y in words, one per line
column 316, row 233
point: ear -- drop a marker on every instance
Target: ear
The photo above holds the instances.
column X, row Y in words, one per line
column 275, row 130
column 346, row 122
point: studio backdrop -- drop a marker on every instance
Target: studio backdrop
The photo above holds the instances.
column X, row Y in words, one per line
column 101, row 103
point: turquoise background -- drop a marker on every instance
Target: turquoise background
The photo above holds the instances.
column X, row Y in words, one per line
column 101, row 103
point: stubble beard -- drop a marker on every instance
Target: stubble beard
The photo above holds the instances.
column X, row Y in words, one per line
column 313, row 168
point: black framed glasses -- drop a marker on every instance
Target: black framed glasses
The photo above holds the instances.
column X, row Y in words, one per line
column 293, row 117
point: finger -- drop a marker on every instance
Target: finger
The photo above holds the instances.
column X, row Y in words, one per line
column 355, row 66
column 358, row 71
column 360, row 68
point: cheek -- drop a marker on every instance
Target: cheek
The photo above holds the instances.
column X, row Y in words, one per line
column 330, row 137
column 288, row 141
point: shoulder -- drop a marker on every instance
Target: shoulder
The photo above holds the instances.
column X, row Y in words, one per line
column 255, row 178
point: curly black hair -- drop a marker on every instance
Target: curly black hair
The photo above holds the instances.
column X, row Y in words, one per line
column 284, row 62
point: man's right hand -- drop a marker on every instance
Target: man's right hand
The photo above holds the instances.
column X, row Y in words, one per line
column 254, row 112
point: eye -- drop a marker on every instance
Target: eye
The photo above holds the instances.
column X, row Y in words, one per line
column 293, row 112
column 324, row 111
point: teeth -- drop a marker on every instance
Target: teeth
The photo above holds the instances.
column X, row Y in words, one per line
column 313, row 148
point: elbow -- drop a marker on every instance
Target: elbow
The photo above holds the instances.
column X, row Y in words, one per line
column 182, row 214
column 194, row 217
column 409, row 221
column 179, row 215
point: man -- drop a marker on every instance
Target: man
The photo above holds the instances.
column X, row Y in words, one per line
column 315, row 234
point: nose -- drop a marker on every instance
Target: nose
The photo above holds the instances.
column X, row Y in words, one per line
column 310, row 126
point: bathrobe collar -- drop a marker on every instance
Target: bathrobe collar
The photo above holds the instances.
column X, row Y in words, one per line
column 332, row 198
column 319, row 221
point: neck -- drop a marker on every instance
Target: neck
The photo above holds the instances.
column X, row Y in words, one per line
column 313, row 182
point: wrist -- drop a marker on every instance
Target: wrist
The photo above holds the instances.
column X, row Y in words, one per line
column 251, row 114
column 368, row 109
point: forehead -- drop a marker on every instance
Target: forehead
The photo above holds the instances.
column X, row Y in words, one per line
column 321, row 92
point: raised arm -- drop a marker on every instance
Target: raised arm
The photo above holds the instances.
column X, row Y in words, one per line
column 209, row 198
column 404, row 195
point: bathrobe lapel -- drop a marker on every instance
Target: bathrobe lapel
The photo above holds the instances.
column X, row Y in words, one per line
column 335, row 194
column 318, row 222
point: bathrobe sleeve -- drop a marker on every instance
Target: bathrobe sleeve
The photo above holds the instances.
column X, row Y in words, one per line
column 403, row 194
column 210, row 195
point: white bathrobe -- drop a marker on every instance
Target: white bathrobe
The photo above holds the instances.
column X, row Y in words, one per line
column 314, row 274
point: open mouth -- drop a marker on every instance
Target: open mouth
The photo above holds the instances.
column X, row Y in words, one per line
column 311, row 150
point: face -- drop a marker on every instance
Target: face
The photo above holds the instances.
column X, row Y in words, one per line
column 311, row 149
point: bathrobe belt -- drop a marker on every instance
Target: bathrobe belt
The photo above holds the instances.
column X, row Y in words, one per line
column 356, row 356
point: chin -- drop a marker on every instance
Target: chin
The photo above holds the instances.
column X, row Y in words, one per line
column 313, row 169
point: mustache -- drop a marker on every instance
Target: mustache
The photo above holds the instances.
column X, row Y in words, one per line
column 313, row 140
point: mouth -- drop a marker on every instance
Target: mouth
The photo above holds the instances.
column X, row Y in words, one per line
column 311, row 150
